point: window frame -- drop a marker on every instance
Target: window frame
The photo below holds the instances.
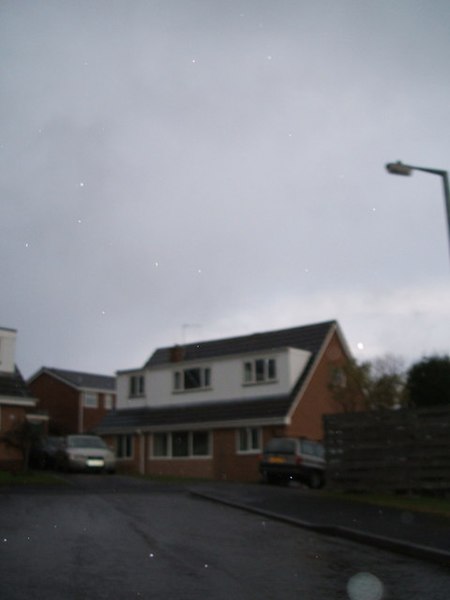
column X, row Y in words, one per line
column 170, row 435
column 179, row 380
column 136, row 386
column 93, row 397
column 258, row 371
column 108, row 401
column 246, row 434
column 129, row 446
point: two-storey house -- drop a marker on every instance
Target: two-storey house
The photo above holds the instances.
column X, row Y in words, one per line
column 207, row 409
column 76, row 402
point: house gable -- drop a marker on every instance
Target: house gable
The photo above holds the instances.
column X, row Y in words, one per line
column 75, row 401
column 315, row 398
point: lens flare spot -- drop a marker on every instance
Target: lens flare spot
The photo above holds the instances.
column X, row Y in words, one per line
column 364, row 586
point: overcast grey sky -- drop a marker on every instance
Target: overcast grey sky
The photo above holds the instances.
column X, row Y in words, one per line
column 221, row 165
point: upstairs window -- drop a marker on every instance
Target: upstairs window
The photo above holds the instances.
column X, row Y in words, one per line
column 90, row 400
column 108, row 401
column 192, row 379
column 137, row 386
column 260, row 370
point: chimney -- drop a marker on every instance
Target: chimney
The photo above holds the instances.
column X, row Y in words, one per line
column 176, row 354
column 7, row 350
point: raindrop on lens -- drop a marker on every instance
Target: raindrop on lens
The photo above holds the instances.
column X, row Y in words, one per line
column 364, row 586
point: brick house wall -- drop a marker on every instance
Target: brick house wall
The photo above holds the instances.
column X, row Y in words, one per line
column 60, row 401
column 226, row 464
column 318, row 399
column 10, row 416
column 93, row 416
column 63, row 404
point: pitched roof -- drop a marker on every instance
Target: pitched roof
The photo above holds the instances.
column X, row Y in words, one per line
column 13, row 385
column 273, row 408
column 307, row 337
column 81, row 380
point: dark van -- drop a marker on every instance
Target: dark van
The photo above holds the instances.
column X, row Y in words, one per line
column 298, row 459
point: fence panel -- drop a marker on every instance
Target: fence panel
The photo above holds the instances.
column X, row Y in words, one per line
column 403, row 450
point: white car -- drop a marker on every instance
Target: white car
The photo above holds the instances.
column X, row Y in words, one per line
column 86, row 453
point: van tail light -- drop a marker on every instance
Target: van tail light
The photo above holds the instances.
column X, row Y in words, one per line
column 298, row 460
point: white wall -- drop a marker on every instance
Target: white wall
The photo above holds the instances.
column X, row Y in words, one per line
column 7, row 350
column 226, row 380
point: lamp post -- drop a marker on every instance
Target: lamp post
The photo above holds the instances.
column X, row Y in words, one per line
column 398, row 168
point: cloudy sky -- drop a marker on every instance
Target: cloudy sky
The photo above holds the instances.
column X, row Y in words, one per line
column 183, row 170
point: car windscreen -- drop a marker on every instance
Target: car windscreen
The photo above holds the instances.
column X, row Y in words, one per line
column 85, row 442
column 281, row 446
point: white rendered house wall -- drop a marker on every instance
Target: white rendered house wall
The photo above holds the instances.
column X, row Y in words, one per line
column 227, row 381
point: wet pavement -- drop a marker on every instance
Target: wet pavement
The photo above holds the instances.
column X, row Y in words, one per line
column 412, row 533
column 116, row 537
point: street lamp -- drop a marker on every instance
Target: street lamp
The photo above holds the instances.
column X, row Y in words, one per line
column 398, row 168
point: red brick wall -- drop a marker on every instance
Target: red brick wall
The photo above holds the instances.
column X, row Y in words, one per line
column 10, row 417
column 61, row 402
column 93, row 416
column 318, row 399
column 225, row 465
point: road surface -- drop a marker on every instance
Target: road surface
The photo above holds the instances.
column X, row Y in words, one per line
column 113, row 537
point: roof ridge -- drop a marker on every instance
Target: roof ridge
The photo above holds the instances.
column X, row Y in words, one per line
column 308, row 337
column 59, row 370
column 250, row 335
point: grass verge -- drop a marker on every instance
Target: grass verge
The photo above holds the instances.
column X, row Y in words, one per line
column 28, row 478
column 425, row 504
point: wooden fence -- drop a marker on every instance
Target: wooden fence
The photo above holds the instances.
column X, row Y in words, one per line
column 403, row 450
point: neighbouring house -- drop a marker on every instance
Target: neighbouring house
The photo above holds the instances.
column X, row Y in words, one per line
column 76, row 402
column 206, row 409
column 17, row 405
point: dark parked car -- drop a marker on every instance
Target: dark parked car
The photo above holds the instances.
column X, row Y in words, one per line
column 299, row 459
column 43, row 452
column 85, row 453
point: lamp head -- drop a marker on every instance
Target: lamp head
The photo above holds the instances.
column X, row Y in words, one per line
column 398, row 168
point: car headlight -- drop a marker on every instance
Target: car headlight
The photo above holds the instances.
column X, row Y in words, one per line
column 74, row 456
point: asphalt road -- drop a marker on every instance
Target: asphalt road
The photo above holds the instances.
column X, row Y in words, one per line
column 120, row 538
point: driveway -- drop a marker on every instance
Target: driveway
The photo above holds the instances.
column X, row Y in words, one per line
column 120, row 538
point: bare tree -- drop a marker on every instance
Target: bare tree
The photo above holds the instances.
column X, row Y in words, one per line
column 375, row 385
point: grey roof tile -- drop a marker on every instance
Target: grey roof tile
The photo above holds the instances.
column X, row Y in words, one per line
column 267, row 408
column 13, row 385
column 307, row 337
column 84, row 380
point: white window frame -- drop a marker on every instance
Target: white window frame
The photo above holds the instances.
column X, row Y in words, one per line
column 136, row 385
column 249, row 372
column 108, row 401
column 190, row 455
column 126, row 456
column 249, row 448
column 178, row 380
column 90, row 400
